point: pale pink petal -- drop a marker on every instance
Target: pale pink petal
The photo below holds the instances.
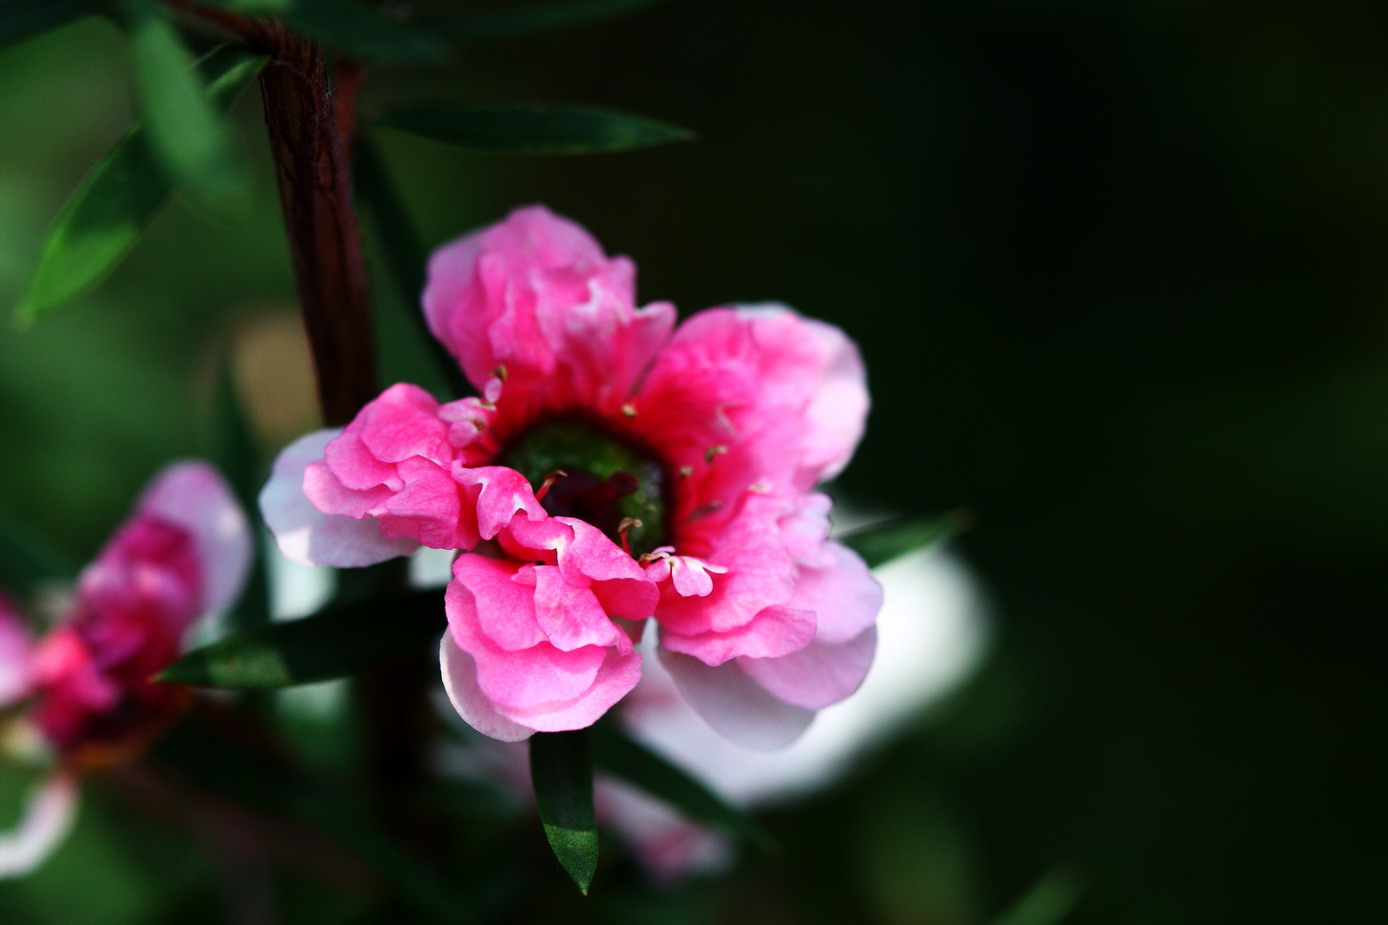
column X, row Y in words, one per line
column 844, row 595
column 838, row 411
column 192, row 495
column 16, row 655
column 818, row 675
column 307, row 535
column 46, row 822
column 460, row 683
column 735, row 705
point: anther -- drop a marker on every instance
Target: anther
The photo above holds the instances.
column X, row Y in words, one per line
column 629, row 410
column 686, row 471
column 500, row 372
column 714, row 451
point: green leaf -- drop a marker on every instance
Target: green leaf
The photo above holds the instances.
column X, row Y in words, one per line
column 504, row 22
column 562, row 774
column 881, row 543
column 619, row 754
column 25, row 562
column 338, row 641
column 347, row 25
column 23, row 19
column 533, row 129
column 238, row 457
column 405, row 256
column 1048, row 903
column 190, row 134
column 103, row 219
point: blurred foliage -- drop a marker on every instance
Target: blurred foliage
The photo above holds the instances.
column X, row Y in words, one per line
column 1116, row 273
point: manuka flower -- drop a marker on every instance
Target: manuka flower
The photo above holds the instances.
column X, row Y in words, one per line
column 84, row 693
column 615, row 468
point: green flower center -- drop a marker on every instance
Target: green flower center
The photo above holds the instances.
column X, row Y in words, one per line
column 606, row 482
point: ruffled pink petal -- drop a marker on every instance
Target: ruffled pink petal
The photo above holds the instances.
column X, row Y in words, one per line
column 535, row 294
column 460, row 683
column 760, row 574
column 773, row 632
column 541, row 686
column 46, row 822
column 734, row 705
column 571, row 615
column 306, row 534
column 192, row 495
column 495, row 495
column 499, row 596
column 741, row 395
column 16, row 655
column 818, row 675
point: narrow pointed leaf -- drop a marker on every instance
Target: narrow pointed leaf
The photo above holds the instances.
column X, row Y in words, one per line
column 1050, row 902
column 622, row 756
column 533, row 129
column 349, row 26
column 562, row 774
column 517, row 19
column 239, row 459
column 405, row 256
column 881, row 543
column 190, row 134
column 23, row 19
column 105, row 216
column 336, row 642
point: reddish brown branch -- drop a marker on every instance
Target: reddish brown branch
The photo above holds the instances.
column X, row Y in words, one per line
column 305, row 119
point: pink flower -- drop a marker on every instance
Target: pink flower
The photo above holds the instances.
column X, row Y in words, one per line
column 615, row 468
column 87, row 687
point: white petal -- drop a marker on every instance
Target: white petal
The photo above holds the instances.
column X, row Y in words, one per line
column 307, row 535
column 460, row 682
column 46, row 821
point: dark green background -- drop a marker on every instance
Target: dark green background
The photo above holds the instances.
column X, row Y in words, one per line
column 1118, row 273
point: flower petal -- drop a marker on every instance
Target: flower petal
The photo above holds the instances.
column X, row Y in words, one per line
column 818, row 675
column 194, row 496
column 734, row 705
column 535, row 294
column 307, row 535
column 51, row 811
column 460, row 683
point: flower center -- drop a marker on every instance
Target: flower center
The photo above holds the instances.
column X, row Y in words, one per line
column 606, row 481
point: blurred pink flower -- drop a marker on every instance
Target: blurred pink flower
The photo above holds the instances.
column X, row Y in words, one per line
column 86, row 689
column 614, row 468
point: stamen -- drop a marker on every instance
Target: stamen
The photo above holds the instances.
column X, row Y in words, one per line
column 500, row 372
column 626, row 526
column 686, row 471
column 629, row 410
column 714, row 451
column 548, row 483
